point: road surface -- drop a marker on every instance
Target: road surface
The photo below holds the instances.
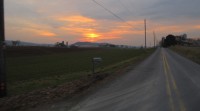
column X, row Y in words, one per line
column 163, row 82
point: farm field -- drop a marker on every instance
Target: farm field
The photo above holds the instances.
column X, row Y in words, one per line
column 192, row 53
column 30, row 68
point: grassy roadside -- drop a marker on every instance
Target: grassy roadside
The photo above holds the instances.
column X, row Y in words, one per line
column 27, row 73
column 192, row 53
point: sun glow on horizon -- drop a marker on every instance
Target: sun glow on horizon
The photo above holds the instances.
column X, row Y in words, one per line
column 92, row 35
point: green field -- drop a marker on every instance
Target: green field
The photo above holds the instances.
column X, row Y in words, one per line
column 192, row 53
column 30, row 68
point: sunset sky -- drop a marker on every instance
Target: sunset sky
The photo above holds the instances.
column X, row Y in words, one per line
column 50, row 21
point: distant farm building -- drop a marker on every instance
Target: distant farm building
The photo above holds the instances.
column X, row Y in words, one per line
column 172, row 40
column 91, row 45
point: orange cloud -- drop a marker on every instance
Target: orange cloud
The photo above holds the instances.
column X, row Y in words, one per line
column 42, row 33
column 197, row 27
column 95, row 30
column 76, row 18
column 170, row 29
column 31, row 28
column 77, row 29
column 47, row 33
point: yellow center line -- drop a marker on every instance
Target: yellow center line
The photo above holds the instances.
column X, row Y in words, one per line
column 181, row 103
column 169, row 77
column 169, row 93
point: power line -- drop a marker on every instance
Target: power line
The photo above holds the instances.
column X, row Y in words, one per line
column 112, row 13
column 109, row 11
column 126, row 8
column 122, row 4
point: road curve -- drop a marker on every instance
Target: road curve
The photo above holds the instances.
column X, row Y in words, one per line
column 165, row 81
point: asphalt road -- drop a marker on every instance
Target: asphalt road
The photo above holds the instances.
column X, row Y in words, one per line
column 163, row 82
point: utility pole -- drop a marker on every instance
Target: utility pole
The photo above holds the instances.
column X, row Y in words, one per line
column 145, row 34
column 3, row 88
column 154, row 35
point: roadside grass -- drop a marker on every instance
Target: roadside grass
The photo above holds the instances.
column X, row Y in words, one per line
column 27, row 73
column 192, row 53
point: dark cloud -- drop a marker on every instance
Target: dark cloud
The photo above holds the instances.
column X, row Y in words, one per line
column 173, row 9
column 19, row 9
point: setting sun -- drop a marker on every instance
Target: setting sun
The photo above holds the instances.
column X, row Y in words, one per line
column 92, row 35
